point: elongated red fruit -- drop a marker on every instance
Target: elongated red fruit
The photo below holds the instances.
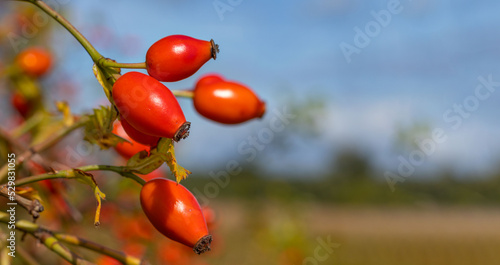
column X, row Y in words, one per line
column 149, row 106
column 209, row 79
column 176, row 57
column 34, row 61
column 21, row 104
column 226, row 101
column 130, row 148
column 175, row 212
column 138, row 136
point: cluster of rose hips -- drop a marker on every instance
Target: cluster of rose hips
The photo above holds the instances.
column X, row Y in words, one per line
column 33, row 62
column 149, row 110
column 135, row 234
column 150, row 107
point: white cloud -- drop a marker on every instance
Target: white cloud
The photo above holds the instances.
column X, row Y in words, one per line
column 472, row 147
column 372, row 125
column 366, row 122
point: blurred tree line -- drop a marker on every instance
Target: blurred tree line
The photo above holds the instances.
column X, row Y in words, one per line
column 351, row 177
column 353, row 180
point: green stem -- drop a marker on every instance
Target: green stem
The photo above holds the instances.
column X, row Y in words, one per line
column 42, row 146
column 183, row 93
column 29, row 124
column 124, row 171
column 110, row 63
column 52, row 240
column 68, row 26
column 118, row 255
column 96, row 56
column 45, row 237
column 70, row 174
column 53, row 244
column 57, row 175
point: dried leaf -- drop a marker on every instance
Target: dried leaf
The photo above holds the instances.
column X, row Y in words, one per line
column 101, row 78
column 143, row 163
column 64, row 108
column 179, row 172
column 88, row 179
column 29, row 193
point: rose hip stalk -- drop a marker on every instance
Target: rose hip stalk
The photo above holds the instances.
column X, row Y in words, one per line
column 149, row 106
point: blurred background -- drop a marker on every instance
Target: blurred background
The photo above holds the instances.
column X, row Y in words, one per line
column 379, row 145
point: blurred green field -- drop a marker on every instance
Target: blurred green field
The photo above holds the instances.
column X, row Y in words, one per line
column 264, row 231
column 288, row 234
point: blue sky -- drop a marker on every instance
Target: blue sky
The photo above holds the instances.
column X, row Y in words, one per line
column 427, row 59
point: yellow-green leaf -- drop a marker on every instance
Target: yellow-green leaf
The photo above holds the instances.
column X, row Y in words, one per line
column 179, row 172
column 64, row 108
column 88, row 179
column 29, row 193
column 143, row 163
column 101, row 78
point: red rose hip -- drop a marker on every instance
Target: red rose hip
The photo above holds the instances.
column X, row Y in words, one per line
column 149, row 106
column 21, row 104
column 175, row 212
column 138, row 136
column 34, row 61
column 176, row 57
column 226, row 102
column 130, row 148
column 209, row 79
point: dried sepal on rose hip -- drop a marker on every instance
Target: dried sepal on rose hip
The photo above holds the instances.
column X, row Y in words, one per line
column 177, row 57
column 175, row 212
column 225, row 101
column 149, row 106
